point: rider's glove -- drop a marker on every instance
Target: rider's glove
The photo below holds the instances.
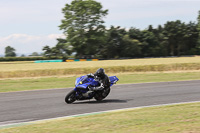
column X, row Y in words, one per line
column 101, row 87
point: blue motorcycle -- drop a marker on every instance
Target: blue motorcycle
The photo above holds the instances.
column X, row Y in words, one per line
column 81, row 91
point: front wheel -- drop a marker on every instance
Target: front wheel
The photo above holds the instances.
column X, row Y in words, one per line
column 70, row 97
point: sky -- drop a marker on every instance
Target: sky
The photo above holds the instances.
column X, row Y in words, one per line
column 29, row 25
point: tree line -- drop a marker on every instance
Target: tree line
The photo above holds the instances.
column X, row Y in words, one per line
column 11, row 52
column 87, row 36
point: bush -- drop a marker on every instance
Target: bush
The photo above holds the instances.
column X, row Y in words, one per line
column 2, row 59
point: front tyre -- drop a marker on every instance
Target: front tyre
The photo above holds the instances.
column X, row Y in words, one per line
column 70, row 97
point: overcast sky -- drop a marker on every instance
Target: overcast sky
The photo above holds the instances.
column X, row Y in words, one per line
column 28, row 25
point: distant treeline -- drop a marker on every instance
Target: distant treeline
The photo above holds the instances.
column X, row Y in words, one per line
column 87, row 35
column 174, row 38
column 4, row 59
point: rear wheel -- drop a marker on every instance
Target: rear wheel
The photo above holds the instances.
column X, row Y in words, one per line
column 70, row 97
column 105, row 92
column 100, row 95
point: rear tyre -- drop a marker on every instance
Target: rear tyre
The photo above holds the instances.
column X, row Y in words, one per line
column 106, row 92
column 70, row 97
column 100, row 95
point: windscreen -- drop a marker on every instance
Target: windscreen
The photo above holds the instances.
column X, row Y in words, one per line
column 85, row 80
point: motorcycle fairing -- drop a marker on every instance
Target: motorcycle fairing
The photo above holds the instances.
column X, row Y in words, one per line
column 84, row 81
column 113, row 80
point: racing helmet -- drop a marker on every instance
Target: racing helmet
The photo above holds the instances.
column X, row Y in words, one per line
column 100, row 73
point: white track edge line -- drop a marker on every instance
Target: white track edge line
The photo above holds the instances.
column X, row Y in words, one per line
column 85, row 114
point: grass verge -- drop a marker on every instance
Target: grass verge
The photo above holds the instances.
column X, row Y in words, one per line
column 14, row 70
column 9, row 85
column 182, row 118
column 108, row 69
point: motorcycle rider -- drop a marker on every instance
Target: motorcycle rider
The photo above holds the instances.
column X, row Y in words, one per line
column 102, row 78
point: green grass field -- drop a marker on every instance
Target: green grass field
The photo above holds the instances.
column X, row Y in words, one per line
column 65, row 82
column 4, row 67
column 183, row 118
column 63, row 75
column 29, row 69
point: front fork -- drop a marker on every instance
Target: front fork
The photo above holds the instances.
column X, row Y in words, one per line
column 79, row 94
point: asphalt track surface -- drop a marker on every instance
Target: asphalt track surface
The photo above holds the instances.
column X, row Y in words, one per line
column 16, row 107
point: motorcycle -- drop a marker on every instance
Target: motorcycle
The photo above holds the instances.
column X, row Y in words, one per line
column 81, row 91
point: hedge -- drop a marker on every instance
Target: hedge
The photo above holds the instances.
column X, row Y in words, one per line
column 3, row 59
